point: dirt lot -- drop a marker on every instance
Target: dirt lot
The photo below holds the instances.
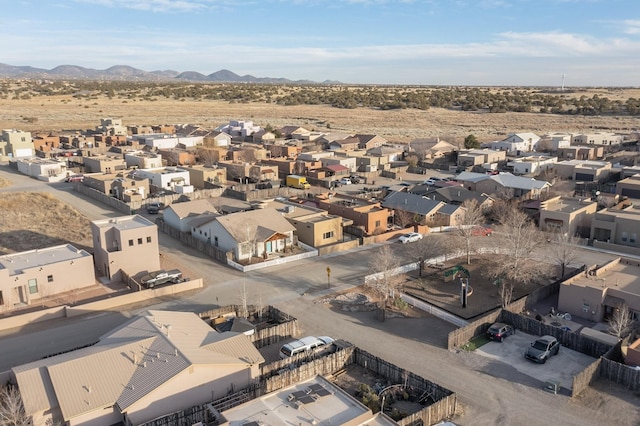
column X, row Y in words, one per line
column 65, row 112
column 24, row 228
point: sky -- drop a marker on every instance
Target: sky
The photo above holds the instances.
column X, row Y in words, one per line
column 421, row 42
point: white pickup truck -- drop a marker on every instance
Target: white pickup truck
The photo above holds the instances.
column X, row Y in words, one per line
column 155, row 278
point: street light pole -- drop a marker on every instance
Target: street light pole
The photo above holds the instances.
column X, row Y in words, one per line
column 328, row 277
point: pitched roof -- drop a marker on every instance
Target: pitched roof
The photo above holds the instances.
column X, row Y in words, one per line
column 193, row 208
column 471, row 177
column 128, row 363
column 459, row 194
column 511, row 181
column 263, row 223
column 411, row 203
column 336, row 168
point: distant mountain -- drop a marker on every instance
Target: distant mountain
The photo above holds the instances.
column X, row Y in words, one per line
column 127, row 73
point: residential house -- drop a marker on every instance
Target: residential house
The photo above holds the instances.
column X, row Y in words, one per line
column 125, row 187
column 488, row 158
column 449, row 215
column 217, row 139
column 597, row 294
column 283, row 150
column 370, row 141
column 46, row 169
column 412, row 208
column 295, row 132
column 347, row 144
column 45, row 142
column 204, row 177
column 348, row 163
column 617, row 226
column 157, row 363
column 142, row 160
column 327, row 138
column 285, row 166
column 112, row 126
column 140, row 129
column 583, row 170
column 532, row 164
column 566, row 215
column 553, row 142
column 179, row 215
column 263, row 137
column 163, row 141
column 516, row 186
column 16, row 143
column 325, row 403
column 629, row 187
column 517, row 143
column 628, row 171
column 76, row 140
column 239, row 129
column 103, row 164
column 457, row 195
column 390, row 153
column 581, row 152
column 126, row 244
column 168, row 179
column 211, row 156
column 28, row 276
column 430, row 148
column 169, row 129
column 248, row 153
column 598, row 138
column 314, row 227
column 369, row 216
column 178, row 156
column 368, row 163
column 254, row 233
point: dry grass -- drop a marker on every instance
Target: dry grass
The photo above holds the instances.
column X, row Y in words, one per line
column 23, row 227
column 4, row 182
column 66, row 112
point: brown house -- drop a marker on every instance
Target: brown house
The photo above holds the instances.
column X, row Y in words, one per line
column 369, row 216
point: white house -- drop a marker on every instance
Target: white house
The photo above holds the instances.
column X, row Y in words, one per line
column 180, row 215
column 239, row 128
column 532, row 164
column 143, row 160
column 598, row 138
column 169, row 178
column 517, row 143
column 554, row 141
column 163, row 141
column 252, row 233
column 46, row 169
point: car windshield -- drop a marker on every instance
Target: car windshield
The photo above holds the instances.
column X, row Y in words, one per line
column 407, row 235
column 541, row 346
column 494, row 329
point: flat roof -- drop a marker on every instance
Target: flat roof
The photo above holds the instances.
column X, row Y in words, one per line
column 124, row 222
column 620, row 277
column 566, row 205
column 17, row 262
column 312, row 402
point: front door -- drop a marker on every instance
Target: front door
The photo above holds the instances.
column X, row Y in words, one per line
column 267, row 247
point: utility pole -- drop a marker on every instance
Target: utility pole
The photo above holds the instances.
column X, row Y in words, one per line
column 328, row 277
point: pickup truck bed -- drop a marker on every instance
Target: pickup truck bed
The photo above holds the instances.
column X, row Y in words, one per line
column 155, row 278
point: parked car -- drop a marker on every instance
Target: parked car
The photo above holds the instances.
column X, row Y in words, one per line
column 154, row 208
column 429, row 182
column 155, row 278
column 345, row 181
column 482, row 231
column 543, row 349
column 355, row 179
column 410, row 237
column 74, row 178
column 499, row 331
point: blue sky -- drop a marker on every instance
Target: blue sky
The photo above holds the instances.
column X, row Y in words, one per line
column 429, row 42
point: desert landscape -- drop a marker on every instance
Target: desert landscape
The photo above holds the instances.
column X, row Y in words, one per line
column 56, row 112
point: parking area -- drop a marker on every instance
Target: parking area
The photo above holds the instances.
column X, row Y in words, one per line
column 559, row 368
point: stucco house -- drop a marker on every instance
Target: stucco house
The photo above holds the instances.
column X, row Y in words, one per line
column 629, row 187
column 517, row 143
column 46, row 169
column 617, row 226
column 30, row 275
column 416, row 208
column 369, row 216
column 179, row 215
column 516, row 186
column 567, row 215
column 247, row 234
column 16, row 143
column 157, row 363
column 125, row 244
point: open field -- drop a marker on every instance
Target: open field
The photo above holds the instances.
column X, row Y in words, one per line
column 57, row 112
column 23, row 227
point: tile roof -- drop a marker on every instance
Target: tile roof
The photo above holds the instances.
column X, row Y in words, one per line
column 411, row 203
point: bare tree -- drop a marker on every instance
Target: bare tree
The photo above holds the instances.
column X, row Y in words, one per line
column 620, row 322
column 472, row 217
column 12, row 411
column 563, row 250
column 516, row 264
column 403, row 218
column 429, row 247
column 208, row 156
column 244, row 304
column 249, row 245
column 384, row 263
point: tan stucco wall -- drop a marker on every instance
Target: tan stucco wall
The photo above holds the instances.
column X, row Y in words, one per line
column 573, row 297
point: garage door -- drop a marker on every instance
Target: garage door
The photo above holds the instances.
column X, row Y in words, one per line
column 584, row 177
column 631, row 193
column 24, row 152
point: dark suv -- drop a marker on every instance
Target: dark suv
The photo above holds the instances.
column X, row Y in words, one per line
column 499, row 331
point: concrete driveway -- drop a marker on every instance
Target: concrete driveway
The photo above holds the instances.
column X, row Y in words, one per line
column 559, row 368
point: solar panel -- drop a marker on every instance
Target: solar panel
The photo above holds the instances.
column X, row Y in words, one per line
column 322, row 392
column 298, row 394
column 306, row 399
column 251, row 424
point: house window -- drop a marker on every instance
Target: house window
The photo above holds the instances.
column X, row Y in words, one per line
column 625, row 236
column 327, row 235
column 586, row 307
column 33, row 286
column 215, row 241
column 377, row 224
column 139, row 241
column 130, row 243
column 49, row 278
column 633, row 238
column 148, row 239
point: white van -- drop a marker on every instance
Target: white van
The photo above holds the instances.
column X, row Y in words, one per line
column 305, row 344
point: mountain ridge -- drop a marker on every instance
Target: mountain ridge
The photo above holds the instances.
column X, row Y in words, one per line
column 129, row 73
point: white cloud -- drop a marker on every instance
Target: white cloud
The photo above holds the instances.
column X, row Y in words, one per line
column 631, row 26
column 155, row 5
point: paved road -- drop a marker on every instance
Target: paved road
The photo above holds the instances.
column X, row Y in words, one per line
column 490, row 394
